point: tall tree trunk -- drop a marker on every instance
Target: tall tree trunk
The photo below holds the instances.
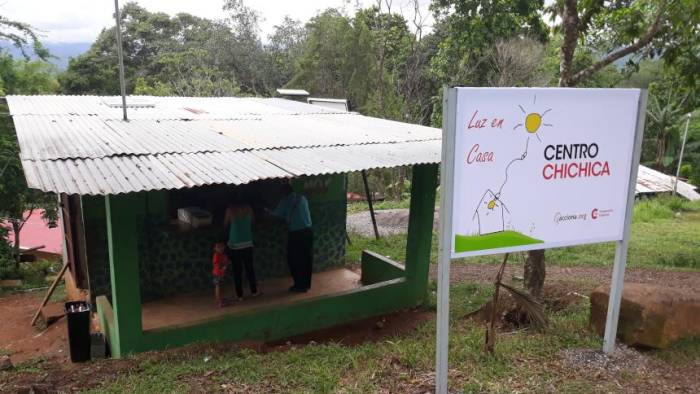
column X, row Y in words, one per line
column 660, row 150
column 535, row 273
column 16, row 228
column 570, row 25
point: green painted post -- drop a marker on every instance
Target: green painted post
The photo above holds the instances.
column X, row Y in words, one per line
column 420, row 228
column 122, row 241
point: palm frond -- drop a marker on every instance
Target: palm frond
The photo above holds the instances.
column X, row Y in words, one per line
column 531, row 306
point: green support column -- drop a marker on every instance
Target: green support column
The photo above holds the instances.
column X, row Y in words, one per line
column 122, row 241
column 420, row 228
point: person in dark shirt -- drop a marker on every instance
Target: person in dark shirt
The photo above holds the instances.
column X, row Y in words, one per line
column 293, row 208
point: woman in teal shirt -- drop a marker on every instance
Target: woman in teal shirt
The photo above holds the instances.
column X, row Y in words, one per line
column 239, row 222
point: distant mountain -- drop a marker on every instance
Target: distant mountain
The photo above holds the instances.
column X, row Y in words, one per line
column 62, row 51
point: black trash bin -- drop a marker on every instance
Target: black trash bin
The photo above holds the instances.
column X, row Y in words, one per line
column 78, row 317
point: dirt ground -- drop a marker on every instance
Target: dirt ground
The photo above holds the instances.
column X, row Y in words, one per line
column 47, row 350
column 588, row 277
column 23, row 342
column 58, row 374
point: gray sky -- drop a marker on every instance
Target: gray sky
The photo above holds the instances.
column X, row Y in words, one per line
column 82, row 20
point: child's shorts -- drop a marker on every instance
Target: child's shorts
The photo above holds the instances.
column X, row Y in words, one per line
column 217, row 280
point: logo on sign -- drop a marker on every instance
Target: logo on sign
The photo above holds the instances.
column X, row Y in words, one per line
column 569, row 217
column 600, row 213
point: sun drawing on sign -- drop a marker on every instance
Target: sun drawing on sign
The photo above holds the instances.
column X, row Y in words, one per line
column 533, row 120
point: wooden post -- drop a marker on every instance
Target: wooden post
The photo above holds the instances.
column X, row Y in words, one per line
column 369, row 202
column 51, row 290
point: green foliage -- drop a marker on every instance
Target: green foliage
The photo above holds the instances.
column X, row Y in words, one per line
column 469, row 28
column 21, row 35
column 652, row 209
column 372, row 59
column 186, row 73
column 26, row 76
column 34, row 274
column 629, row 31
column 669, row 102
column 15, row 197
column 162, row 54
column 7, row 264
column 686, row 171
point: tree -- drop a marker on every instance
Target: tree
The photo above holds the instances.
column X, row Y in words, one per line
column 26, row 76
column 328, row 60
column 617, row 29
column 152, row 42
column 472, row 27
column 21, row 35
column 517, row 61
column 186, row 73
column 17, row 202
column 614, row 29
column 664, row 113
column 285, row 47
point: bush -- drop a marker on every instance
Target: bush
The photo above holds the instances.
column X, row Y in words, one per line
column 34, row 274
column 663, row 207
column 686, row 171
column 7, row 263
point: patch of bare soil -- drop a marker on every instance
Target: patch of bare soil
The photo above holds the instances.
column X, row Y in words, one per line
column 22, row 341
column 586, row 277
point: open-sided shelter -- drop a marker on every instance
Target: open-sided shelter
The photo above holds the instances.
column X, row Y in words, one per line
column 121, row 184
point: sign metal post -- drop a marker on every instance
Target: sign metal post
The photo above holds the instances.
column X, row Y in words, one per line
column 618, row 273
column 449, row 104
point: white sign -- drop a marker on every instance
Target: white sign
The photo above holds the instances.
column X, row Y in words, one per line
column 540, row 168
column 527, row 169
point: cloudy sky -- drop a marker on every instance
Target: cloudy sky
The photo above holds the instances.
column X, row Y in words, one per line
column 82, row 20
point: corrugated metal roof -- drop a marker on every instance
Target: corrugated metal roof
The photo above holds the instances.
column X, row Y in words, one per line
column 134, row 173
column 80, row 145
column 163, row 107
column 652, row 181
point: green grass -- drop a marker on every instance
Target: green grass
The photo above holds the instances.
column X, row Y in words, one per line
column 664, row 234
column 391, row 365
column 502, row 239
column 360, row 206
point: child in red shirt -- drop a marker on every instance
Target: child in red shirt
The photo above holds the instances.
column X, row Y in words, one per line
column 220, row 263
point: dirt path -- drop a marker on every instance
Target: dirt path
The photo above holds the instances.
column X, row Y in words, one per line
column 22, row 341
column 389, row 222
column 591, row 276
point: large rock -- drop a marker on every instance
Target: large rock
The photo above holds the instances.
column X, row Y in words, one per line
column 5, row 363
column 651, row 316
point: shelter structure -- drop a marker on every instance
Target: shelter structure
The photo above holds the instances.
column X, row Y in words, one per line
column 121, row 184
column 651, row 182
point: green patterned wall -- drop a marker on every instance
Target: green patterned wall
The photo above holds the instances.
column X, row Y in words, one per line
column 175, row 261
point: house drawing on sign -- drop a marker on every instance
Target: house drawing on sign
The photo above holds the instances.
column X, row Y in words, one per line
column 489, row 213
